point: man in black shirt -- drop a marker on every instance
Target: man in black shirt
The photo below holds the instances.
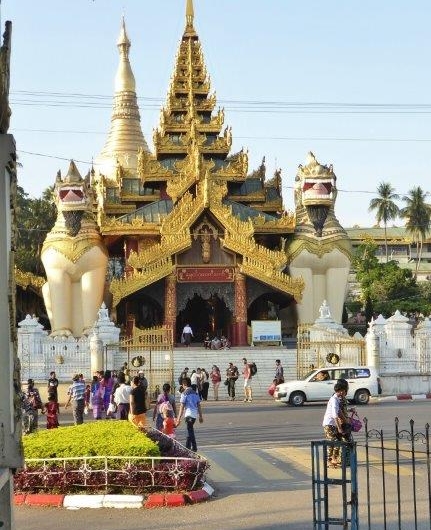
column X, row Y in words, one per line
column 231, row 377
column 137, row 401
column 53, row 386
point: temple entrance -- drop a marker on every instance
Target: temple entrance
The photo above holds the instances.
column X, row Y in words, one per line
column 205, row 316
column 267, row 306
column 146, row 311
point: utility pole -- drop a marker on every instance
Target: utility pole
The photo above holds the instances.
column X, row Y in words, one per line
column 10, row 383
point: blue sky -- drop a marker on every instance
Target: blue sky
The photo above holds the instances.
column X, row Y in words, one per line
column 348, row 80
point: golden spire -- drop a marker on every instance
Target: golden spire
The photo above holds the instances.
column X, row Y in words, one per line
column 124, row 80
column 125, row 136
column 190, row 15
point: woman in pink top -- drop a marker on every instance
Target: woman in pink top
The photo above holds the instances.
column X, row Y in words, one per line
column 215, row 377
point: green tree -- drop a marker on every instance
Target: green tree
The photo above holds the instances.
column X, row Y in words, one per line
column 386, row 287
column 35, row 218
column 385, row 207
column 418, row 215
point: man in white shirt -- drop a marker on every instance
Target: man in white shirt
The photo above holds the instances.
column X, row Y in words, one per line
column 187, row 335
column 195, row 380
column 122, row 398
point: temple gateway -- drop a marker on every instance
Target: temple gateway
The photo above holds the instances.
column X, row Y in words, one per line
column 185, row 232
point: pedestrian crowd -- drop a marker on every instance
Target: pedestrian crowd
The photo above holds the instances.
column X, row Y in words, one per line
column 120, row 395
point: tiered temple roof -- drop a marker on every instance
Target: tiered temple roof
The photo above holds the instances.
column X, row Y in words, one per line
column 191, row 145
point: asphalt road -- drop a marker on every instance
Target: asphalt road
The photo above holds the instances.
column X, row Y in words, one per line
column 260, row 468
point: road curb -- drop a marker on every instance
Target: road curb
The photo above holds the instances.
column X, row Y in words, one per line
column 76, row 502
column 406, row 397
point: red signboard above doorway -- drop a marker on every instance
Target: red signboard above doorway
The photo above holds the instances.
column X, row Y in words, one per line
column 205, row 274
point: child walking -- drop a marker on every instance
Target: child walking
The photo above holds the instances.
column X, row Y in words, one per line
column 168, row 421
column 52, row 411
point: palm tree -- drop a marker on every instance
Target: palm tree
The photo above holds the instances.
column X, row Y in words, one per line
column 418, row 215
column 386, row 209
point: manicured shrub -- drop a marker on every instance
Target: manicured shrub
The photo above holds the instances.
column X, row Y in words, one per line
column 128, row 468
column 98, row 438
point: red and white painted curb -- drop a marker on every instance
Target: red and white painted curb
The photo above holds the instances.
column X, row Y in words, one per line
column 154, row 500
column 406, row 397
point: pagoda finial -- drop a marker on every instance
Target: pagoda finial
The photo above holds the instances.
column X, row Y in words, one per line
column 125, row 136
column 190, row 15
column 125, row 79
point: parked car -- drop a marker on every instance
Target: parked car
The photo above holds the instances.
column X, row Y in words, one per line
column 318, row 385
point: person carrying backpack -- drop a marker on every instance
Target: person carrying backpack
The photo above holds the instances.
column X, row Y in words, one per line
column 248, row 371
column 33, row 405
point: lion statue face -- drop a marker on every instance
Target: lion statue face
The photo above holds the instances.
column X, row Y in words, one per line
column 73, row 198
column 315, row 191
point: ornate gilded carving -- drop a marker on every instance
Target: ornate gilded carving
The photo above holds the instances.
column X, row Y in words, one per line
column 247, row 246
column 275, row 181
column 318, row 248
column 114, row 226
column 204, row 231
column 168, row 246
column 171, row 300
column 279, row 280
column 138, row 280
column 28, row 279
column 240, row 298
column 286, row 222
column 236, row 167
column 148, row 165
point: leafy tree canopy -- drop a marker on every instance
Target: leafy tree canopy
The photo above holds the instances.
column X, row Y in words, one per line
column 386, row 287
column 35, row 218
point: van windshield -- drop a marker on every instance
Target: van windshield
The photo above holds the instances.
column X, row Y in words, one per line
column 309, row 375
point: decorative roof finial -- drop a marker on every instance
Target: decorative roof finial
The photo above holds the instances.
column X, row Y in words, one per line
column 125, row 79
column 189, row 13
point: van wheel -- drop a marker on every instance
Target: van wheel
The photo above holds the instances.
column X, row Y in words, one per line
column 362, row 397
column 297, row 399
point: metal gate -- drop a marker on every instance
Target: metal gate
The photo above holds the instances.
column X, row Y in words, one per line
column 335, row 491
column 386, row 487
column 396, row 478
column 150, row 350
column 318, row 347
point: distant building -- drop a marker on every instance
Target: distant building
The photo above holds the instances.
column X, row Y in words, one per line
column 401, row 248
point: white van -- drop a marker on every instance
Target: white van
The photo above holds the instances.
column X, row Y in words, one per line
column 318, row 385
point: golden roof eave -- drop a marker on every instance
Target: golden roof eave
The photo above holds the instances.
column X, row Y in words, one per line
column 120, row 288
column 28, row 279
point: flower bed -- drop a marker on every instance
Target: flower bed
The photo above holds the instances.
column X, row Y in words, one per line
column 70, row 463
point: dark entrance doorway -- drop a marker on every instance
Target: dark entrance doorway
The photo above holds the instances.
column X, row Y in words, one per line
column 205, row 316
column 268, row 306
column 145, row 310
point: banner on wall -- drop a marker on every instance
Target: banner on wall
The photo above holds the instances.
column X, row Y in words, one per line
column 265, row 331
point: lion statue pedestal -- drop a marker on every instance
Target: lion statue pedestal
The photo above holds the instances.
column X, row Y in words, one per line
column 75, row 260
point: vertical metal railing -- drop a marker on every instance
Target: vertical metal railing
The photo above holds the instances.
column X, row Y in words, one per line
column 325, row 480
column 398, row 477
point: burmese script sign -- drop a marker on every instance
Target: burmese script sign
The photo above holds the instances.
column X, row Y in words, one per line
column 205, row 274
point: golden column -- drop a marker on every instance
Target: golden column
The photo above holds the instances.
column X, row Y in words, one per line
column 171, row 303
column 240, row 326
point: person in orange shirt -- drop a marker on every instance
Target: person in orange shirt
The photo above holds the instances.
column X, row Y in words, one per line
column 168, row 421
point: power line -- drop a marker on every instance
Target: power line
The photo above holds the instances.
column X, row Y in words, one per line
column 99, row 101
column 281, row 138
column 95, row 164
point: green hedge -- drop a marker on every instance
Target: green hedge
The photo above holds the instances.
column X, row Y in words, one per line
column 98, row 438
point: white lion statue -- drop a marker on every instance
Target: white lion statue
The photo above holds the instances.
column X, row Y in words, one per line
column 75, row 259
column 321, row 250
